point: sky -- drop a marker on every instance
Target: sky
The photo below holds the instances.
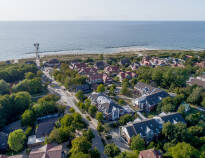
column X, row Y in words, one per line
column 31, row 10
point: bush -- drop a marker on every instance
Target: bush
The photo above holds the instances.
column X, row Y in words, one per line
column 16, row 140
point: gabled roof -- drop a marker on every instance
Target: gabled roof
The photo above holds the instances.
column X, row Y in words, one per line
column 146, row 89
column 47, row 151
column 144, row 128
column 172, row 117
column 45, row 127
column 150, row 153
column 3, row 141
column 12, row 127
column 103, row 102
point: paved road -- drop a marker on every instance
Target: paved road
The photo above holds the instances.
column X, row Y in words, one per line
column 67, row 98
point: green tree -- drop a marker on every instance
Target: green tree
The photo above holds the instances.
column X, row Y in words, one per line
column 79, row 95
column 111, row 150
column 29, row 75
column 99, row 116
column 89, row 135
column 4, row 87
column 28, row 118
column 183, row 150
column 100, row 127
column 16, row 140
column 94, row 153
column 101, row 88
column 80, row 144
column 168, row 131
column 195, row 96
column 125, row 119
column 92, row 110
column 126, row 154
column 60, row 135
column 124, row 90
column 137, row 143
column 79, row 155
column 203, row 103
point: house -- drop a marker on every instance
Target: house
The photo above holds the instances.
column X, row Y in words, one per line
column 85, row 88
column 149, row 128
column 87, row 71
column 3, row 142
column 112, row 70
column 30, row 62
column 100, row 65
column 186, row 106
column 108, row 107
column 199, row 81
column 125, row 62
column 201, row 64
column 95, row 78
column 12, row 127
column 150, row 153
column 107, row 79
column 146, row 61
column 126, row 75
column 134, row 66
column 52, row 63
column 150, row 96
column 169, row 117
column 14, row 156
column 43, row 129
column 47, row 151
column 77, row 66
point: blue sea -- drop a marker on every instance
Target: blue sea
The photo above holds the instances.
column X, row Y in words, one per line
column 17, row 38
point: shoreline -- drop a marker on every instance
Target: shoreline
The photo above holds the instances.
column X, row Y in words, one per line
column 122, row 51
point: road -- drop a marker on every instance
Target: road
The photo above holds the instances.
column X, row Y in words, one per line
column 67, row 98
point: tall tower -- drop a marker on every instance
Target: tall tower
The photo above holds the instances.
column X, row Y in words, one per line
column 36, row 45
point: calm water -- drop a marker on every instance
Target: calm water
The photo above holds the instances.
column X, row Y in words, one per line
column 17, row 38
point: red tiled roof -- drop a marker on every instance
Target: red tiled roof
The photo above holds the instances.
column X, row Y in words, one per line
column 151, row 153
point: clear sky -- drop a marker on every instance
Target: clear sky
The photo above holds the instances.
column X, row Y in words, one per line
column 102, row 10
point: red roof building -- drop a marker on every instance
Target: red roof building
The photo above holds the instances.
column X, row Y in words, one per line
column 151, row 153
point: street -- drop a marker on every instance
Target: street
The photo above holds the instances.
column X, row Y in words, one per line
column 67, row 98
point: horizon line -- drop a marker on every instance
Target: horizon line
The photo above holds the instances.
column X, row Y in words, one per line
column 102, row 20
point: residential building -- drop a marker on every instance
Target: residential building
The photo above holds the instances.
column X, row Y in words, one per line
column 85, row 88
column 135, row 66
column 112, row 70
column 77, row 66
column 95, row 78
column 149, row 128
column 3, row 142
column 126, row 75
column 100, row 65
column 201, row 64
column 47, row 151
column 199, row 81
column 108, row 107
column 43, row 129
column 52, row 63
column 107, row 79
column 87, row 71
column 12, row 127
column 150, row 96
column 125, row 62
column 150, row 153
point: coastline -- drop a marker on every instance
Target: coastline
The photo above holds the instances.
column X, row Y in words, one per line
column 66, row 55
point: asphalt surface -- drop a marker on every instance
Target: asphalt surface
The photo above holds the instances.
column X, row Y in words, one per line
column 67, row 98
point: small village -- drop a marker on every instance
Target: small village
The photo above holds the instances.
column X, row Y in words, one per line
column 110, row 107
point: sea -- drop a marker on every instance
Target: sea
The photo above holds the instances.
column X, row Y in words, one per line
column 61, row 37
